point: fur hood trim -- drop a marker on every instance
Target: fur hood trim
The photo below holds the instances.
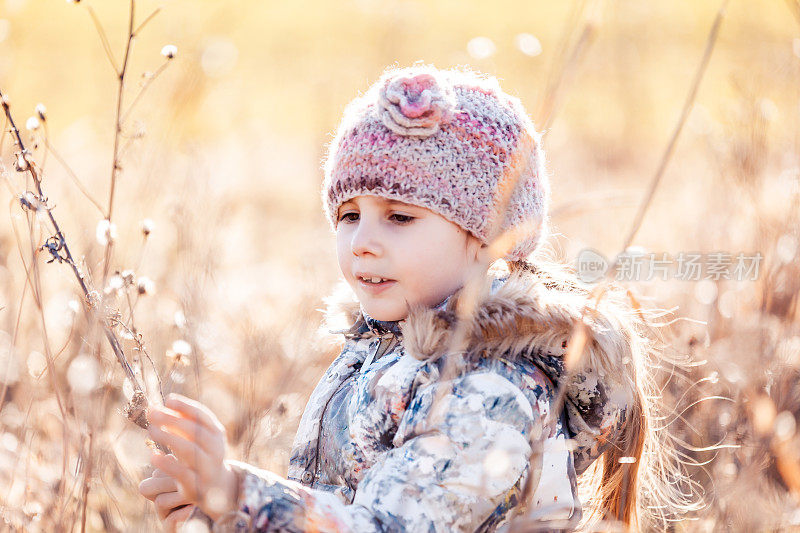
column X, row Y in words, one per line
column 517, row 314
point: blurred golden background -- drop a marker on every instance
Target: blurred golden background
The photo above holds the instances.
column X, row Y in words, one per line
column 222, row 154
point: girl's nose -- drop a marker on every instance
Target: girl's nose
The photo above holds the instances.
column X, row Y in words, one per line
column 366, row 240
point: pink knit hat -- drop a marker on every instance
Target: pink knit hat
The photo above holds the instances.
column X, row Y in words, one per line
column 448, row 140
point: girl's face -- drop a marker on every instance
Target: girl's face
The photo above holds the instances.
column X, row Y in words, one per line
column 424, row 256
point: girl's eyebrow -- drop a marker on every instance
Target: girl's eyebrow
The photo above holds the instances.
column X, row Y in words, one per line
column 386, row 202
column 395, row 203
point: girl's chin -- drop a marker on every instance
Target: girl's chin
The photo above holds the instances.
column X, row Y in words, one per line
column 384, row 313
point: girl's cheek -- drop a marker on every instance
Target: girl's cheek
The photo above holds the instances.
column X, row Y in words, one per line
column 342, row 243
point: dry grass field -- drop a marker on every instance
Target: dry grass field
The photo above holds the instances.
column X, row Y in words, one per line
column 218, row 257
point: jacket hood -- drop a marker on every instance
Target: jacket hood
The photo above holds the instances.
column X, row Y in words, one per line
column 515, row 314
column 532, row 314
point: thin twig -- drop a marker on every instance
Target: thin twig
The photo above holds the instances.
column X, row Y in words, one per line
column 552, row 97
column 33, row 282
column 594, row 201
column 145, row 85
column 565, row 69
column 794, row 7
column 87, row 479
column 36, row 292
column 3, row 137
column 115, row 163
column 145, row 21
column 577, row 350
column 61, row 251
column 137, row 338
column 470, row 294
column 14, row 337
column 117, row 122
column 71, row 174
column 103, row 39
column 687, row 108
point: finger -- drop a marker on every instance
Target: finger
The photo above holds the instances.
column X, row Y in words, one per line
column 153, row 486
column 187, row 452
column 159, row 473
column 166, row 502
column 212, row 442
column 185, row 477
column 175, row 518
column 194, row 410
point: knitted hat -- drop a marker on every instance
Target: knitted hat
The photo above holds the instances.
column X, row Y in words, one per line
column 450, row 141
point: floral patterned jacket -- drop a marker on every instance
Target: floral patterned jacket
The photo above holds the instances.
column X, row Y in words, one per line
column 400, row 436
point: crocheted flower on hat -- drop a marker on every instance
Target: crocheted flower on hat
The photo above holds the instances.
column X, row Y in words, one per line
column 415, row 105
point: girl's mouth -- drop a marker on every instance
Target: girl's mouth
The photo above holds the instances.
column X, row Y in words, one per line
column 375, row 285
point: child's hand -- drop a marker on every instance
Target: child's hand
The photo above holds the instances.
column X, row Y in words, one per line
column 171, row 506
column 197, row 440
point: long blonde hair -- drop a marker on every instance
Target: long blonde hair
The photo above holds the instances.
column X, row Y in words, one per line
column 640, row 480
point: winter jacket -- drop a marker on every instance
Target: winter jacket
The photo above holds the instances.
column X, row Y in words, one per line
column 415, row 427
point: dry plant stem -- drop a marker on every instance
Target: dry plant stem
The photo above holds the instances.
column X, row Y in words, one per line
column 566, row 68
column 576, row 14
column 14, row 338
column 580, row 204
column 31, row 275
column 468, row 300
column 139, row 261
column 72, row 174
column 103, row 39
column 794, row 7
column 147, row 19
column 602, row 287
column 14, row 470
column 576, row 350
column 145, row 85
column 3, row 139
column 560, row 54
column 118, row 123
column 552, row 98
column 133, row 332
column 139, row 401
column 36, row 291
column 119, row 116
column 687, row 108
column 87, row 478
column 60, row 350
column 471, row 294
column 115, row 163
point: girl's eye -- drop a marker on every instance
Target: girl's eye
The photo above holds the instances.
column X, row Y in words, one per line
column 402, row 219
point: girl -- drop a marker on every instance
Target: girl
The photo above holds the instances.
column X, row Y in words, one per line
column 462, row 393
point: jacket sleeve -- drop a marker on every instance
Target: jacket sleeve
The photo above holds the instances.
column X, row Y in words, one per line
column 459, row 458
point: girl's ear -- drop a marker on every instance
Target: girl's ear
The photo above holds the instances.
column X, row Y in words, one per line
column 483, row 254
column 476, row 248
